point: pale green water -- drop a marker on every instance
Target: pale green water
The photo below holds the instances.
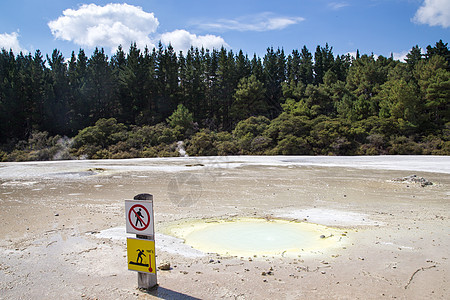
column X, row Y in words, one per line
column 245, row 237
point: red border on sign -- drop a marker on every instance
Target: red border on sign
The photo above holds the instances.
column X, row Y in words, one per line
column 132, row 210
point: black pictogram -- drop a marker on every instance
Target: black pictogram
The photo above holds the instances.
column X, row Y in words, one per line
column 139, row 217
column 139, row 259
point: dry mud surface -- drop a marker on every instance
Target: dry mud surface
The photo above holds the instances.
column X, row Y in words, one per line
column 62, row 232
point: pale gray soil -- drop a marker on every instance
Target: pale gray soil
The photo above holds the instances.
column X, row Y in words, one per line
column 61, row 222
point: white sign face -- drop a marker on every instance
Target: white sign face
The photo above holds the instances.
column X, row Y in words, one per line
column 139, row 216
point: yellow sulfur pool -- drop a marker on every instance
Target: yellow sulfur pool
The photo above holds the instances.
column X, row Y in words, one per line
column 257, row 236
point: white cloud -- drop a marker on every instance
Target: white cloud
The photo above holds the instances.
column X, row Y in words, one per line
column 337, row 5
column 182, row 40
column 105, row 26
column 401, row 56
column 260, row 22
column 11, row 41
column 352, row 54
column 122, row 24
column 434, row 13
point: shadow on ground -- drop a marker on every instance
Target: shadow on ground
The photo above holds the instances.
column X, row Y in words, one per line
column 166, row 294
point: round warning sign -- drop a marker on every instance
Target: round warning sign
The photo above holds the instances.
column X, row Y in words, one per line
column 139, row 216
column 139, row 213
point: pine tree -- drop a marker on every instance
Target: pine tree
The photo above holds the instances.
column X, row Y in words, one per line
column 248, row 99
column 323, row 61
column 413, row 57
column 226, row 81
column 39, row 90
column 306, row 66
column 57, row 107
column 440, row 49
column 100, row 88
column 166, row 82
column 293, row 66
column 274, row 74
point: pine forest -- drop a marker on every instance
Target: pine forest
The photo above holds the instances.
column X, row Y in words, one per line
column 155, row 103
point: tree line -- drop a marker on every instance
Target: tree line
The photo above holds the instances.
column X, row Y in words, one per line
column 298, row 103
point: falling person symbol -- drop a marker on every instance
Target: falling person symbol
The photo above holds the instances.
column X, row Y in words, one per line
column 139, row 217
column 139, row 257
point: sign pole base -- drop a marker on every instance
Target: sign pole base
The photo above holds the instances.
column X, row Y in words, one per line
column 145, row 280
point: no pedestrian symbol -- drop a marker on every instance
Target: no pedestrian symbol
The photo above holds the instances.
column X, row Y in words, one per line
column 139, row 216
column 142, row 216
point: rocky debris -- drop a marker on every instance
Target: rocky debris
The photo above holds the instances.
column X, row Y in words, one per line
column 270, row 272
column 164, row 266
column 325, row 237
column 413, row 179
column 212, row 261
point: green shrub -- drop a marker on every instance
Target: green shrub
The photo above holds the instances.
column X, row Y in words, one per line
column 149, row 152
column 101, row 154
column 254, row 126
column 291, row 145
column 433, row 145
column 367, row 149
column 182, row 121
column 3, row 156
column 104, row 133
column 202, row 144
column 285, row 125
column 39, row 147
column 402, row 145
column 124, row 155
column 227, row 148
column 85, row 151
column 162, row 150
column 225, row 143
column 245, row 144
column 18, row 155
column 166, row 135
column 260, row 145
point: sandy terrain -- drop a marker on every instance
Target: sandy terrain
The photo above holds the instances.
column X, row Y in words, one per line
column 62, row 232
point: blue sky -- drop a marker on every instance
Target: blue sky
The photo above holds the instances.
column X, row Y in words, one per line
column 379, row 26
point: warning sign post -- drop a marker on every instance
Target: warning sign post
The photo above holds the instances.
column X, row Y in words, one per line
column 141, row 250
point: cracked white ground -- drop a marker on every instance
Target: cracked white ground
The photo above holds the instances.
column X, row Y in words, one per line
column 62, row 227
